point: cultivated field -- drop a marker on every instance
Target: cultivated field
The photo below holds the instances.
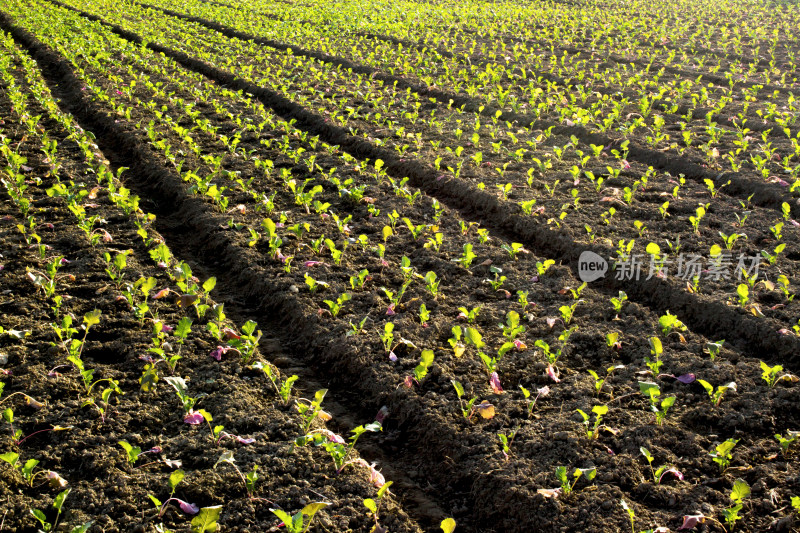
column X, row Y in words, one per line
column 498, row 266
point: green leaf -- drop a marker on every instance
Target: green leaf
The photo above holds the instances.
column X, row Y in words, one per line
column 370, row 504
column 473, row 336
column 58, row 503
column 174, row 479
column 382, row 491
column 448, row 525
column 92, row 318
column 81, row 529
column 11, row 458
column 206, row 519
column 155, row 500
column 208, row 286
column 312, row 508
column 741, row 490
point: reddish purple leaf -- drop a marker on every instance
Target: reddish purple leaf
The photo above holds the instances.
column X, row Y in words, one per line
column 217, row 353
column 242, row 440
column 161, row 294
column 494, row 381
column 673, row 471
column 691, row 520
column 188, row 508
column 686, row 378
column 309, row 264
column 551, row 373
column 383, row 412
column 390, row 310
column 193, row 417
column 409, row 381
column 392, row 357
column 520, row 346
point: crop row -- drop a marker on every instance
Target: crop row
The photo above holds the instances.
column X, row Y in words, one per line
column 98, row 311
column 425, row 372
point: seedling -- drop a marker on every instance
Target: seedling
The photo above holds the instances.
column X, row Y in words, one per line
column 656, row 350
column 512, row 328
column 374, row 506
column 660, row 472
column 132, row 452
column 652, row 392
column 469, row 314
column 669, row 322
column 713, row 348
column 300, row 522
column 543, row 267
column 310, row 409
column 741, row 490
column 467, row 256
column 786, row 442
column 248, row 479
column 283, row 388
column 715, row 395
column 425, row 362
column 598, row 381
column 506, row 440
column 770, row 374
column 544, row 391
column 336, row 307
column 566, row 486
column 206, row 519
column 593, row 431
column 618, row 301
column 174, row 480
column 514, row 249
column 498, row 280
column 335, row 445
column 432, row 284
column 58, row 505
column 722, row 454
column 468, row 407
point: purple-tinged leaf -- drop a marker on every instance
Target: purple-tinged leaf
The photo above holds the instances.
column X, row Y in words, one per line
column 673, row 471
column 520, row 346
column 193, row 417
column 218, row 352
column 409, row 381
column 392, row 357
column 383, row 412
column 333, row 437
column 188, row 508
column 544, row 391
column 390, row 310
column 551, row 373
column 230, row 334
column 494, row 381
column 692, row 520
column 309, row 264
column 686, row 378
column 161, row 294
column 551, row 322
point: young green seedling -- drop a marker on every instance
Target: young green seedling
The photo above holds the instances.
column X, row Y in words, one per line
column 310, row 409
column 740, row 491
column 716, row 395
column 248, row 479
column 722, row 453
column 653, row 392
column 786, row 442
column 599, row 411
column 300, row 522
column 618, row 301
column 544, row 391
column 374, row 506
column 506, row 440
column 660, row 472
column 174, row 480
column 770, row 374
column 598, row 381
column 713, row 348
column 283, row 388
column 335, row 445
column 566, row 486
